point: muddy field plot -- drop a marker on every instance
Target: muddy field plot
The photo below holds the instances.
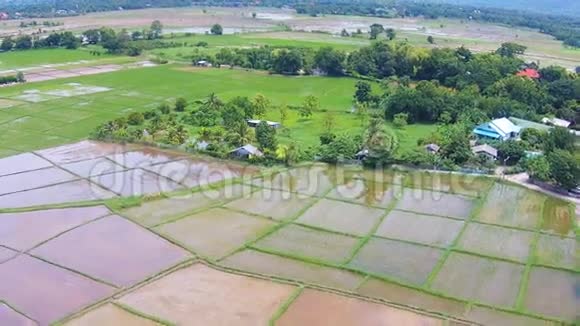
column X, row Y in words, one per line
column 81, row 151
column 341, row 217
column 449, row 182
column 406, row 262
column 558, row 217
column 33, row 179
column 425, row 229
column 435, row 203
column 272, row 265
column 9, row 316
column 94, row 167
column 215, row 232
column 75, row 191
column 135, row 182
column 512, row 206
column 22, row 163
column 110, row 314
column 320, row 308
column 553, row 293
column 153, row 213
column 144, row 158
column 558, row 252
column 416, row 298
column 475, row 278
column 277, row 204
column 112, row 249
column 23, row 231
column 366, row 192
column 487, row 316
column 210, row 297
column 303, row 242
column 496, row 241
column 29, row 284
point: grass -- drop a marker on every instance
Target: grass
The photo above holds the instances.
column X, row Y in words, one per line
column 30, row 126
column 35, row 58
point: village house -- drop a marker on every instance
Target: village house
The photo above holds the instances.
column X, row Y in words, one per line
column 486, row 151
column 246, row 152
column 254, row 123
column 499, row 129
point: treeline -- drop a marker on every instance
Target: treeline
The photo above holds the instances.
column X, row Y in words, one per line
column 25, row 42
column 12, row 79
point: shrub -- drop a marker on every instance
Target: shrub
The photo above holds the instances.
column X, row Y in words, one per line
column 135, row 118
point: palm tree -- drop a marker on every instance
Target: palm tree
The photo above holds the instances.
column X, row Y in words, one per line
column 211, row 102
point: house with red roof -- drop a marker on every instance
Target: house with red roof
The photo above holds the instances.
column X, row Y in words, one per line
column 529, row 72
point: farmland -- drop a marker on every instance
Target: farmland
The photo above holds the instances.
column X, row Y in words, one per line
column 339, row 231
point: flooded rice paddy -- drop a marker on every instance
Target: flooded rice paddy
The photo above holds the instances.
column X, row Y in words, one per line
column 459, row 248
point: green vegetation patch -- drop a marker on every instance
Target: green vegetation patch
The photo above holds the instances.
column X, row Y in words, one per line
column 304, row 242
column 426, row 229
column 216, row 232
column 553, row 293
column 40, row 57
column 558, row 252
column 479, row 279
column 558, row 217
column 496, row 241
column 267, row 264
column 512, row 206
column 404, row 262
column 341, row 217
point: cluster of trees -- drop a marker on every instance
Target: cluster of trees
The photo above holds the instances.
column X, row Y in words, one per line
column 25, row 42
column 34, row 23
column 11, row 79
column 125, row 42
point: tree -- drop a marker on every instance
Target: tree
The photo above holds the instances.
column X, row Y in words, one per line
column 254, row 15
column 289, row 154
column 362, row 112
column 211, row 103
column 454, row 142
column 311, row 103
column 266, row 137
column 400, row 120
column 376, row 29
column 180, row 104
column 7, row 44
column 283, row 114
column 538, row 168
column 362, row 94
column 20, row 77
column 378, row 142
column 328, row 122
column 217, row 29
column 135, row 118
column 288, row 62
column 564, row 168
column 232, row 116
column 430, row 39
column 390, row 33
column 511, row 151
column 330, row 61
column 92, row 36
column 559, row 138
column 344, row 33
column 23, row 42
column 136, row 35
column 69, row 41
column 510, row 50
column 156, row 29
column 260, row 104
column 342, row 147
column 164, row 108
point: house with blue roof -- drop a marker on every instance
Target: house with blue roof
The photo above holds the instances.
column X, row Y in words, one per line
column 499, row 129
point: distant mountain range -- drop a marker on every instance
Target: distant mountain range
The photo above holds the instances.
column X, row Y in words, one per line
column 562, row 7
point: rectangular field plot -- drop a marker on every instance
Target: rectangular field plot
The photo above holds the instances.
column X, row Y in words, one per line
column 144, row 158
column 112, row 249
column 426, row 229
column 558, row 252
column 8, row 316
column 366, row 192
column 21, row 163
column 69, row 192
column 341, row 217
column 6, row 254
column 301, row 241
column 382, row 176
column 215, row 232
column 553, row 293
column 65, row 90
column 135, row 182
column 110, row 314
column 558, row 217
column 35, row 124
column 398, row 260
column 22, row 231
column 314, row 180
column 33, row 179
column 94, row 167
column 279, row 205
column 512, row 206
column 487, row 316
column 403, row 295
column 211, row 297
column 81, row 151
column 474, row 278
column 29, row 284
column 496, row 241
column 449, row 182
column 321, row 308
column 435, row 203
column 272, row 265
